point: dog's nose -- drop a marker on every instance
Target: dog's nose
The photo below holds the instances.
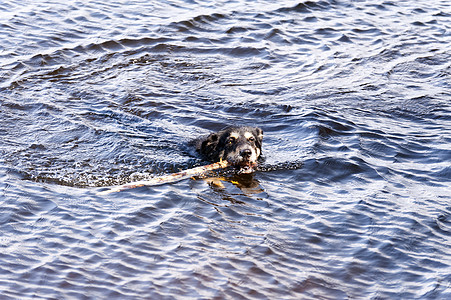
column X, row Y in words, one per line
column 246, row 153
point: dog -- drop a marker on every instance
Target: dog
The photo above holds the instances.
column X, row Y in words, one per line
column 240, row 146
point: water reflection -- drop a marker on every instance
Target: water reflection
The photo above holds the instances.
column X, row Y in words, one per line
column 246, row 183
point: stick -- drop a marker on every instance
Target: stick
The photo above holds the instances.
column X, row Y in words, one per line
column 168, row 178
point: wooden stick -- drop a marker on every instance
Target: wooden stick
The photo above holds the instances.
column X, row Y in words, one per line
column 170, row 178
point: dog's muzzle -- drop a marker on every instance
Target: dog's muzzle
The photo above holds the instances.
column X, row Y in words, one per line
column 246, row 161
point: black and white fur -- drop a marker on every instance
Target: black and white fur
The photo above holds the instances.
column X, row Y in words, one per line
column 241, row 146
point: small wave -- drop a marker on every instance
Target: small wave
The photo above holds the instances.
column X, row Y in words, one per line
column 307, row 7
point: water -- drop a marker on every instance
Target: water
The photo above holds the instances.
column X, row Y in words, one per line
column 351, row 202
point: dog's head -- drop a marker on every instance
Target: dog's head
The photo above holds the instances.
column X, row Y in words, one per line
column 241, row 146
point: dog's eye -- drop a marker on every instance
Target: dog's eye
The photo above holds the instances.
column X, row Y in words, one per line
column 231, row 140
column 252, row 139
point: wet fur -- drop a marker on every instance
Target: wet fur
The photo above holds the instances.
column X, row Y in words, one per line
column 241, row 146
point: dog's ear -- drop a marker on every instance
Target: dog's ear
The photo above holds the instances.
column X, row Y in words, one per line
column 209, row 145
column 259, row 136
